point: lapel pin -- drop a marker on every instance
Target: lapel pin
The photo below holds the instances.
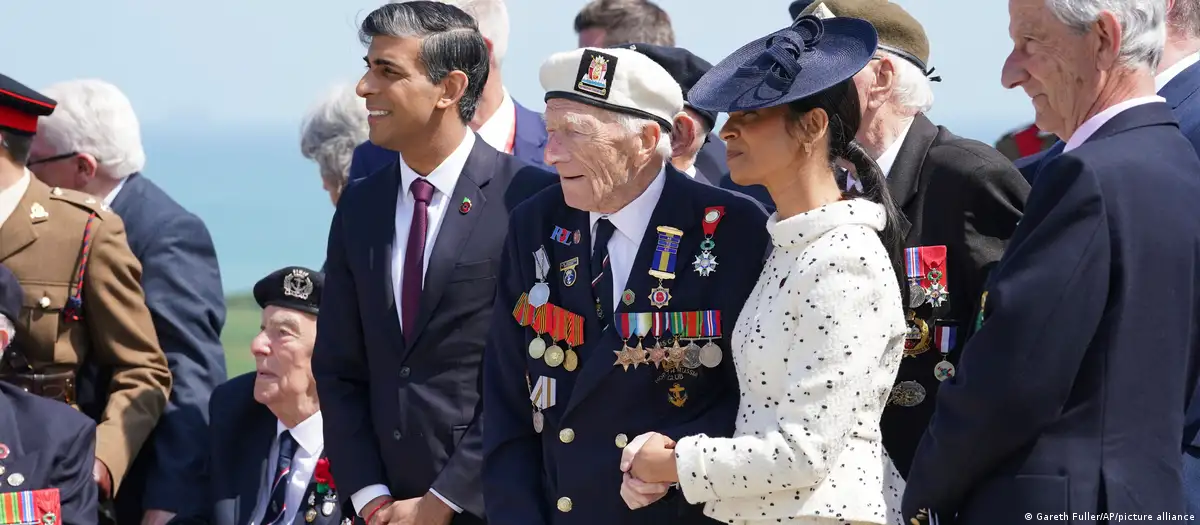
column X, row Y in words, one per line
column 465, row 206
column 3, row 451
column 37, row 211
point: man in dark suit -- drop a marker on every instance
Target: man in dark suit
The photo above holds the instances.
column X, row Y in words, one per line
column 47, row 449
column 180, row 275
column 499, row 119
column 1057, row 407
column 409, row 296
column 610, row 259
column 267, row 462
column 961, row 201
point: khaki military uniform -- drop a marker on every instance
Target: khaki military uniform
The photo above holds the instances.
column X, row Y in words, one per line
column 41, row 243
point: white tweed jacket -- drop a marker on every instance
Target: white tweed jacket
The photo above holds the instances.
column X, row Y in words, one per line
column 816, row 349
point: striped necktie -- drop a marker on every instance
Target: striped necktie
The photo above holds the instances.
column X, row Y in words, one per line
column 602, row 282
column 283, row 476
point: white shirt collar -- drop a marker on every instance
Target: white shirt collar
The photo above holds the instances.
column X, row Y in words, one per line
column 633, row 219
column 501, row 127
column 112, row 195
column 444, row 177
column 888, row 158
column 308, row 434
column 1090, row 126
column 691, row 171
column 1161, row 79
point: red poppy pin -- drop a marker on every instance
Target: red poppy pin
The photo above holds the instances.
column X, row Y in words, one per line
column 465, row 206
column 323, row 476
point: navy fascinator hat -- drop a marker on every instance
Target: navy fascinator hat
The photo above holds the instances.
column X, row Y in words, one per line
column 807, row 58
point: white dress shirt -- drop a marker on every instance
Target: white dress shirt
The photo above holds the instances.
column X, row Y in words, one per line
column 500, row 130
column 1090, row 125
column 818, row 345
column 112, row 195
column 444, row 178
column 1170, row 73
column 11, row 196
column 308, row 435
column 631, row 223
column 885, row 160
column 691, row 171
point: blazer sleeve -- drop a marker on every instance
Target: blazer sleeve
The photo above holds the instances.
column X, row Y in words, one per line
column 513, row 493
column 77, row 491
column 183, row 291
column 851, row 326
column 1043, row 307
column 124, row 340
column 342, row 374
column 459, row 481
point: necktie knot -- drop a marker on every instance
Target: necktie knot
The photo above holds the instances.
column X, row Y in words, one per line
column 422, row 190
column 287, row 445
column 604, row 231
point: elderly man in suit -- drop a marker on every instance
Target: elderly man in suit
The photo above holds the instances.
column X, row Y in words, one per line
column 599, row 267
column 961, row 201
column 46, row 448
column 92, row 143
column 409, row 299
column 1057, row 407
column 500, row 120
column 267, row 461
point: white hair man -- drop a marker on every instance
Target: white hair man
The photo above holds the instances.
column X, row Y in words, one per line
column 1051, row 411
column 331, row 131
column 92, row 143
column 499, row 120
column 956, row 192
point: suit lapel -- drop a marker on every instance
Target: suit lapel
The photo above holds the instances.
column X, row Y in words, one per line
column 675, row 209
column 127, row 196
column 454, row 233
column 905, row 175
column 381, row 240
column 1182, row 87
column 256, row 460
column 20, row 230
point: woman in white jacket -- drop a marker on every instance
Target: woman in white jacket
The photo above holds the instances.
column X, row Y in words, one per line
column 819, row 341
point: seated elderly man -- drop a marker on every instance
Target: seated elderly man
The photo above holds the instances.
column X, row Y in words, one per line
column 267, row 463
column 47, row 449
column 1070, row 397
column 330, row 133
column 590, row 271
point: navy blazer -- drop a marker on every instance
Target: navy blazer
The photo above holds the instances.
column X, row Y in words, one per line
column 401, row 409
column 1051, row 410
column 240, row 437
column 528, row 145
column 53, row 447
column 527, row 474
column 183, row 291
column 710, row 160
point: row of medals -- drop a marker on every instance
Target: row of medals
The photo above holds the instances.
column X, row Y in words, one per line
column 692, row 356
column 911, row 393
column 327, row 506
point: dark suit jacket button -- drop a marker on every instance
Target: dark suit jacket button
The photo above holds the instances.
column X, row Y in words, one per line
column 396, row 435
column 404, row 371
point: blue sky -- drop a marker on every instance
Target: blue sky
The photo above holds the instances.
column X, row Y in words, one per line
column 207, row 66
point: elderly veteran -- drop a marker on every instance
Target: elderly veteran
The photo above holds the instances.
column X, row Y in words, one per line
column 617, row 298
column 961, row 200
column 46, row 449
column 1070, row 398
column 331, row 131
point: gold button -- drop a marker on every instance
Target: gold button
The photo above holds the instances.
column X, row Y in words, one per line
column 622, row 440
column 564, row 504
column 566, row 435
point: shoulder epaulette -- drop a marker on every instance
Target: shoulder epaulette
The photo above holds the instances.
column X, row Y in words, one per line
column 82, row 200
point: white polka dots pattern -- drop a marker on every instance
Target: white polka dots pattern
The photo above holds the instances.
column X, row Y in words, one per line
column 816, row 349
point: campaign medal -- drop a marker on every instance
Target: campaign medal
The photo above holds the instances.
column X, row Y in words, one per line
column 916, row 336
column 642, row 323
column 561, row 235
column 328, row 506
column 540, row 293
column 907, row 394
column 556, row 320
column 933, row 271
column 543, row 395
column 312, row 499
column 624, row 325
column 537, row 347
column 310, row 515
column 944, row 339
column 628, row 297
column 567, row 268
column 710, row 328
column 660, row 324
column 573, row 340
column 978, row 319
column 706, row 263
column 662, row 266
column 912, row 268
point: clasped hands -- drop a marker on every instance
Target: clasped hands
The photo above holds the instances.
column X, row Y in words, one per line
column 648, row 464
column 425, row 510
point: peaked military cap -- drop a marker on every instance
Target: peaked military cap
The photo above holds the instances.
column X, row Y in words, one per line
column 899, row 33
column 20, row 107
column 10, row 295
column 790, row 64
column 685, row 67
column 615, row 79
column 294, row 287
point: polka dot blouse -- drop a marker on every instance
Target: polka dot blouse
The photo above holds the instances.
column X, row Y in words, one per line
column 816, row 349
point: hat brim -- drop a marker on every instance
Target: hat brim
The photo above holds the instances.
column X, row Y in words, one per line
column 299, row 306
column 845, row 47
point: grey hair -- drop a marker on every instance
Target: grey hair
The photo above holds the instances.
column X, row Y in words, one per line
column 634, row 126
column 1184, row 17
column 450, row 41
column 1143, row 25
column 17, row 146
column 913, row 91
column 492, row 18
column 331, row 131
column 95, row 117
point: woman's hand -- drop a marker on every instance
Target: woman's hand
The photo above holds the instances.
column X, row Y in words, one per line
column 651, row 458
column 638, row 493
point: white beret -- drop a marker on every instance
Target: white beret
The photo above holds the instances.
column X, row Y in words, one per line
column 620, row 80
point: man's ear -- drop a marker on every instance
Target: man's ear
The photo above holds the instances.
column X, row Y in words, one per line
column 683, row 134
column 85, row 170
column 454, row 86
column 880, row 91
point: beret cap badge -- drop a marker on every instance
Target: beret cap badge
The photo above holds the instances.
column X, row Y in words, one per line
column 596, row 72
column 297, row 284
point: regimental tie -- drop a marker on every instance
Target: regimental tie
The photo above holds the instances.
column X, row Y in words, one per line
column 602, row 283
column 283, row 476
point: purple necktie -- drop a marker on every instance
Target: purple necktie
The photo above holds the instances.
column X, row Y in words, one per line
column 414, row 255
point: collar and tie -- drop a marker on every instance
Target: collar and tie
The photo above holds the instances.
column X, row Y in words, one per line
column 602, row 283
column 277, row 506
column 414, row 256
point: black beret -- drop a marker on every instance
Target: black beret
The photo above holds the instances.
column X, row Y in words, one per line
column 685, row 67
column 20, row 107
column 294, row 287
column 797, row 7
column 10, row 295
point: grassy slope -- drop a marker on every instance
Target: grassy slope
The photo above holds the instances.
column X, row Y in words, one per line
column 242, row 319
